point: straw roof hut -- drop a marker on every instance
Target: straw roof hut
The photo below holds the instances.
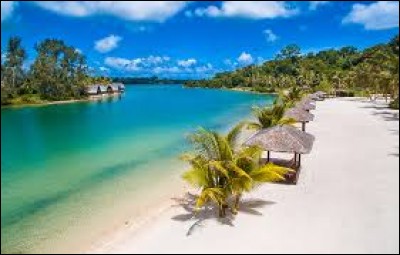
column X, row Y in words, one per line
column 112, row 88
column 299, row 115
column 93, row 90
column 313, row 97
column 121, row 87
column 285, row 138
column 305, row 106
column 320, row 93
column 103, row 89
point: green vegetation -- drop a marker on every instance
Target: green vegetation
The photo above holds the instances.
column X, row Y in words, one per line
column 343, row 72
column 146, row 80
column 223, row 170
column 395, row 103
column 59, row 72
column 270, row 116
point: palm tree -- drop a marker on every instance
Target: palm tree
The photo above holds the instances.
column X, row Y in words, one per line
column 270, row 116
column 221, row 169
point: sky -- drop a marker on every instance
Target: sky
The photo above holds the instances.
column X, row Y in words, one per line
column 179, row 39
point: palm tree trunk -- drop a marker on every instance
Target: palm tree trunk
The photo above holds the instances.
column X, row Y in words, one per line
column 222, row 210
column 237, row 201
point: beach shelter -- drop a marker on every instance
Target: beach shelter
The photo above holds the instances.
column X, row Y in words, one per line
column 305, row 106
column 313, row 97
column 320, row 94
column 307, row 100
column 286, row 138
column 299, row 115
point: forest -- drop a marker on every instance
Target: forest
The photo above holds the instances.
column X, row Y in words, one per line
column 59, row 72
column 344, row 72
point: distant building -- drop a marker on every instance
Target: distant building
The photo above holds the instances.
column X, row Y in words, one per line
column 99, row 89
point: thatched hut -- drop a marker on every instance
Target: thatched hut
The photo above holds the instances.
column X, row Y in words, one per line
column 93, row 90
column 112, row 88
column 305, row 106
column 103, row 89
column 284, row 138
column 299, row 115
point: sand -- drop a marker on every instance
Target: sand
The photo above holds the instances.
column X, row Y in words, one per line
column 346, row 199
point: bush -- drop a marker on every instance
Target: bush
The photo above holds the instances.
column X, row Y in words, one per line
column 344, row 93
column 26, row 99
column 394, row 104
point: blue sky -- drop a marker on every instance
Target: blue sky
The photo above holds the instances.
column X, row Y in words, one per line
column 194, row 39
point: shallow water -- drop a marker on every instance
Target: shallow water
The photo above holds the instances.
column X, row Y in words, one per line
column 65, row 168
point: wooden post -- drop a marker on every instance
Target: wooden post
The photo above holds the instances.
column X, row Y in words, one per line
column 303, row 126
column 299, row 160
column 267, row 156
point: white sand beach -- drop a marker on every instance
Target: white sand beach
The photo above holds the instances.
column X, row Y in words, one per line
column 346, row 199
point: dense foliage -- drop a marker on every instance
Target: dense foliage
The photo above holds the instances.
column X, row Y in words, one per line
column 345, row 71
column 223, row 169
column 59, row 72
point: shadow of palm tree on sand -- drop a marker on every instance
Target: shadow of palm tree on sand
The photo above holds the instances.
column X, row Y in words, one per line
column 209, row 212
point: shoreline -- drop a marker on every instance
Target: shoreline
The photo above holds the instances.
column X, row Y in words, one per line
column 46, row 103
column 140, row 239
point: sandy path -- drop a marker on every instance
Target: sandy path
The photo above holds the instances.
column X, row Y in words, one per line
column 347, row 198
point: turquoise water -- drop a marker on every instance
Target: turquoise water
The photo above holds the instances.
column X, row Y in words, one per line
column 62, row 164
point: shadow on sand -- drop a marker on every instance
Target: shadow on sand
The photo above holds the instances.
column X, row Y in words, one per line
column 387, row 115
column 248, row 206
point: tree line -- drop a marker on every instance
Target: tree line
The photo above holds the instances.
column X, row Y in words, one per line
column 59, row 72
column 147, row 80
column 344, row 71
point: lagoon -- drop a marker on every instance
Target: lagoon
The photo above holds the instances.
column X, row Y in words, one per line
column 70, row 172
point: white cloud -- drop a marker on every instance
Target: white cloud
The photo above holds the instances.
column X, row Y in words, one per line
column 375, row 16
column 187, row 63
column 247, row 9
column 245, row 58
column 107, row 44
column 122, row 63
column 271, row 37
column 129, row 10
column 104, row 69
column 313, row 5
column 158, row 65
column 205, row 68
column 7, row 9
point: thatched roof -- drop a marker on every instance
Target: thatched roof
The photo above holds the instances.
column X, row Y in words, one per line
column 282, row 139
column 305, row 106
column 320, row 93
column 307, row 100
column 92, row 89
column 318, row 96
column 299, row 115
column 313, row 97
column 103, row 88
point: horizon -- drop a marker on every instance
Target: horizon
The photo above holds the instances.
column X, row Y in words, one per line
column 198, row 39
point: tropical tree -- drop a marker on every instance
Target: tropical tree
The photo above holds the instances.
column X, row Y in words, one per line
column 291, row 96
column 269, row 116
column 222, row 169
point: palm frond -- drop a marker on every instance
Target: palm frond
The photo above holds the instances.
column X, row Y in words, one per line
column 270, row 173
column 218, row 166
column 215, row 195
column 234, row 133
column 196, row 177
column 287, row 121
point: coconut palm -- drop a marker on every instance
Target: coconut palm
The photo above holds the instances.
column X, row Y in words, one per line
column 269, row 116
column 291, row 97
column 223, row 170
